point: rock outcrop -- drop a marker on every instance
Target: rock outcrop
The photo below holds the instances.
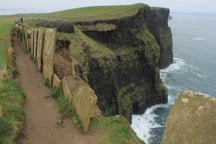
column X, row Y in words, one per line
column 192, row 120
column 119, row 58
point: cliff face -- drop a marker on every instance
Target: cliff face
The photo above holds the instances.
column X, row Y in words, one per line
column 158, row 25
column 191, row 120
column 119, row 59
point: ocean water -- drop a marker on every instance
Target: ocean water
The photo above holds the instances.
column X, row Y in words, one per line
column 194, row 67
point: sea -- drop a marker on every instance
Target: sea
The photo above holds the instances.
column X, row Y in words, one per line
column 194, row 68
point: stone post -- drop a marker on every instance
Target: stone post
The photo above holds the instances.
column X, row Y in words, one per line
column 35, row 43
column 48, row 54
column 32, row 41
column 39, row 49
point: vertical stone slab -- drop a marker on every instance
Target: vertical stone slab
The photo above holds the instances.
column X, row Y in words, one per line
column 48, row 54
column 28, row 32
column 26, row 37
column 35, row 43
column 32, row 42
column 85, row 103
column 83, row 99
column 39, row 49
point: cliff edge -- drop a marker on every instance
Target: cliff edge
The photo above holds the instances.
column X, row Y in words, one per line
column 118, row 53
column 192, row 120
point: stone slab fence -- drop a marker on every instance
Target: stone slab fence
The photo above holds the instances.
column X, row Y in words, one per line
column 40, row 42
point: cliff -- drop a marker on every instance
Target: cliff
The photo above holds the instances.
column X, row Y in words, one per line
column 191, row 120
column 158, row 25
column 119, row 58
column 75, row 97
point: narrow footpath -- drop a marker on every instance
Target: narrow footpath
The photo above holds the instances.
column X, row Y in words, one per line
column 42, row 111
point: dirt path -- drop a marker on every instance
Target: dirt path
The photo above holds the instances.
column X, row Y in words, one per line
column 41, row 111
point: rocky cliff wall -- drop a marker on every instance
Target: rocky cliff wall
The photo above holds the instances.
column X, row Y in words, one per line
column 119, row 58
column 191, row 120
column 116, row 33
column 158, row 25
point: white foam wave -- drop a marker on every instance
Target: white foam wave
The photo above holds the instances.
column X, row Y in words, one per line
column 177, row 65
column 142, row 124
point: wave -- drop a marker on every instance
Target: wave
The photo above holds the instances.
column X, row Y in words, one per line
column 142, row 124
column 177, row 65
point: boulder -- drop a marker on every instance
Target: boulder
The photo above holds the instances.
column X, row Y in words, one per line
column 192, row 120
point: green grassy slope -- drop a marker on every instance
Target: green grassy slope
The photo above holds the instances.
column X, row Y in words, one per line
column 95, row 13
column 11, row 94
column 11, row 111
column 5, row 25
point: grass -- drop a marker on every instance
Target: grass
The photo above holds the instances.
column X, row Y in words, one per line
column 92, row 13
column 114, row 130
column 97, row 12
column 5, row 25
column 12, row 112
column 11, row 95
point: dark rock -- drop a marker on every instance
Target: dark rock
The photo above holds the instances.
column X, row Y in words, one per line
column 158, row 25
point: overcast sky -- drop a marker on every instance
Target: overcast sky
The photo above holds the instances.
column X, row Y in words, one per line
column 20, row 6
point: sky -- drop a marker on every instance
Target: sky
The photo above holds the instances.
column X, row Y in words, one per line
column 32, row 6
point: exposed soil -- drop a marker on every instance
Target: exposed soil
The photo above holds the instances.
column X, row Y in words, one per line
column 41, row 123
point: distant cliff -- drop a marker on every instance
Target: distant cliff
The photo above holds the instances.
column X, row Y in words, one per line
column 191, row 120
column 119, row 58
column 158, row 25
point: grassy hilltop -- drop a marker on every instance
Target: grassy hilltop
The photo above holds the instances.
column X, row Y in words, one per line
column 95, row 13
